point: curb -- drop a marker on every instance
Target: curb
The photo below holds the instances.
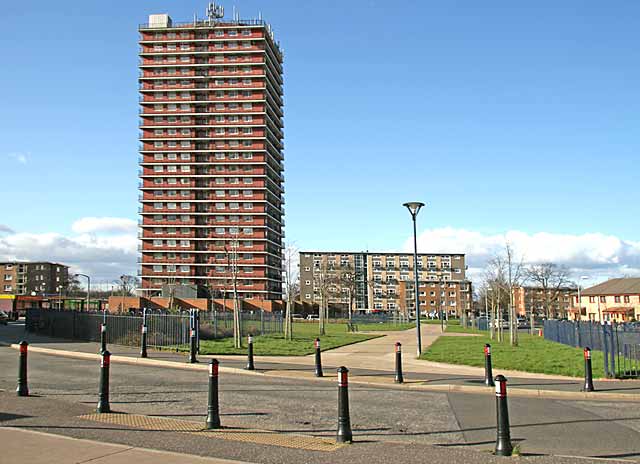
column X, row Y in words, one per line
column 135, row 361
column 439, row 388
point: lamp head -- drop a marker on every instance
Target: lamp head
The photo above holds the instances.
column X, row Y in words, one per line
column 413, row 207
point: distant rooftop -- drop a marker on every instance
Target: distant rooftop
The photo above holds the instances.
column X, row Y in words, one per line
column 381, row 253
column 621, row 286
column 214, row 18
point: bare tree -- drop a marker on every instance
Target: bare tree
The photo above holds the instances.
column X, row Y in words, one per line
column 323, row 281
column 127, row 284
column 347, row 282
column 551, row 278
column 292, row 286
column 171, row 283
column 504, row 273
column 232, row 261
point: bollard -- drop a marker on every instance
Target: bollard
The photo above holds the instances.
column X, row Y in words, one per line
column 143, row 349
column 503, row 440
column 213, row 407
column 344, row 434
column 399, row 378
column 539, row 332
column 250, row 366
column 103, row 337
column 318, row 359
column 588, row 374
column 103, row 396
column 23, row 388
column 192, row 347
column 488, row 370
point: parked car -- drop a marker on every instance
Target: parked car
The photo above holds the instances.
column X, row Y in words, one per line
column 298, row 317
column 4, row 318
column 312, row 317
column 523, row 323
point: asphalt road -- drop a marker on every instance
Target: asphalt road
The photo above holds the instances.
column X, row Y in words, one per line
column 387, row 424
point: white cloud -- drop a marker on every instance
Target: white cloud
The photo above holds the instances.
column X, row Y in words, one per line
column 21, row 158
column 90, row 225
column 104, row 256
column 5, row 229
column 596, row 255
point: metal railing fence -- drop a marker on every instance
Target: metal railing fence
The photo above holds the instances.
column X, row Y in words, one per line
column 163, row 330
column 620, row 343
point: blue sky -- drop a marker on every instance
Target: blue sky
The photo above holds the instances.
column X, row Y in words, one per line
column 501, row 116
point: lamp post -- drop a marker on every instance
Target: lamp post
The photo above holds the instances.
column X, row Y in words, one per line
column 88, row 287
column 580, row 298
column 486, row 304
column 414, row 209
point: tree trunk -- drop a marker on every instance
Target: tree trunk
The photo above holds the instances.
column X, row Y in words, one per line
column 288, row 327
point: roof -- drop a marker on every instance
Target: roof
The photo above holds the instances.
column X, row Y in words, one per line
column 376, row 253
column 621, row 286
column 16, row 262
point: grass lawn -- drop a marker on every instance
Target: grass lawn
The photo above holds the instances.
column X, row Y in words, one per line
column 302, row 344
column 450, row 322
column 534, row 354
column 384, row 326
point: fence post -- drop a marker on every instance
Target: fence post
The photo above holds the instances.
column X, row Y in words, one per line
column 614, row 348
column 196, row 315
column 605, row 348
column 262, row 322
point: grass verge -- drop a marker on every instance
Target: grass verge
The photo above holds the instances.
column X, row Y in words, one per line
column 533, row 354
column 302, row 344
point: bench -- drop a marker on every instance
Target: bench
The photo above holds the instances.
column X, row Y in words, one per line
column 351, row 327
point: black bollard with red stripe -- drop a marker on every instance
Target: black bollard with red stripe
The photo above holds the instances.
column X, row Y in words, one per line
column 250, row 365
column 399, row 377
column 103, row 395
column 488, row 370
column 23, row 388
column 503, row 439
column 213, row 406
column 318, row 371
column 193, row 347
column 344, row 435
column 588, row 373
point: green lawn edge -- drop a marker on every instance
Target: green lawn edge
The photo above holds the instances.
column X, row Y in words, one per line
column 534, row 354
column 304, row 334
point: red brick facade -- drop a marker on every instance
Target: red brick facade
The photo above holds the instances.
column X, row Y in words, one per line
column 211, row 157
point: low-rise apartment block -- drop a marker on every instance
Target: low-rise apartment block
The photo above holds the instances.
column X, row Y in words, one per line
column 26, row 278
column 382, row 281
column 530, row 298
column 616, row 300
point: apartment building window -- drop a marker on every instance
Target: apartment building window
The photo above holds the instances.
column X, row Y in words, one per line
column 603, row 299
column 626, row 299
column 616, row 299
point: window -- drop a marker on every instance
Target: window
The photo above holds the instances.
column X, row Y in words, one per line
column 603, row 299
column 616, row 299
column 626, row 299
column 592, row 299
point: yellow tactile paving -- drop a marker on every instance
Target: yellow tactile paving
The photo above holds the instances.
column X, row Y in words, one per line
column 245, row 435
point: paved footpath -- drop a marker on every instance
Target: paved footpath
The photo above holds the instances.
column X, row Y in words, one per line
column 45, row 448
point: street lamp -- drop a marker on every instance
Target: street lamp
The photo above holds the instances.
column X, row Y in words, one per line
column 414, row 209
column 88, row 287
column 580, row 298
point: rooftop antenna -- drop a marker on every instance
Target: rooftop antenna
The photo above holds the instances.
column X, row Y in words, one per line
column 214, row 12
